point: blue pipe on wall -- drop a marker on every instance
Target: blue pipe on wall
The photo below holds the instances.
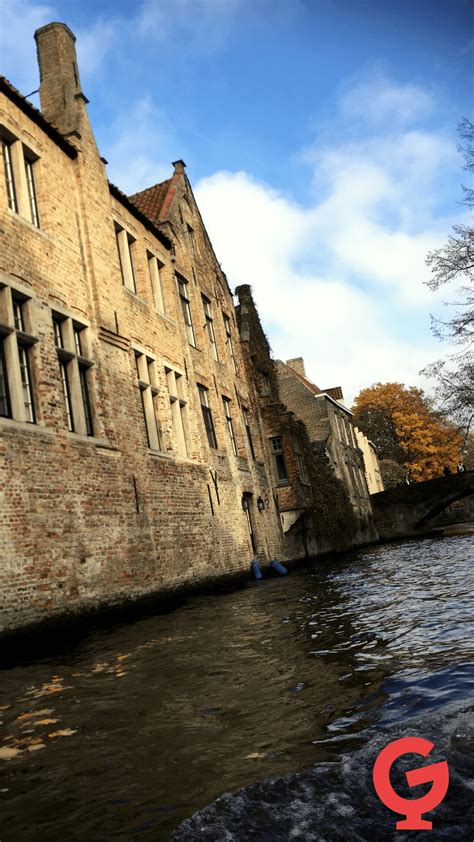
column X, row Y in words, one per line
column 277, row 566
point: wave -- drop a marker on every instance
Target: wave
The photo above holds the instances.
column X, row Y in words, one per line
column 336, row 801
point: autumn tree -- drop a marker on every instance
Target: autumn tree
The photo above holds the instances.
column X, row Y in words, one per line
column 454, row 263
column 406, row 429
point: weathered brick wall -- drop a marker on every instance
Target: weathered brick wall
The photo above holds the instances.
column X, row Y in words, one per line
column 324, row 421
column 325, row 518
column 88, row 520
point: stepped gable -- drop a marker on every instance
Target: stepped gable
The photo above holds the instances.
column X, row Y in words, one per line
column 150, row 201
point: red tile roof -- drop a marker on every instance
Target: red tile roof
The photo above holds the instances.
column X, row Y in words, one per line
column 144, row 219
column 150, row 201
column 335, row 392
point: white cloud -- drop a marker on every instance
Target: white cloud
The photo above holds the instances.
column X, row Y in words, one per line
column 379, row 101
column 341, row 282
column 18, row 21
column 94, row 43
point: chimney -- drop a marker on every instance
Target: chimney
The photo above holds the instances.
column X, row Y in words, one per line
column 179, row 166
column 62, row 100
column 297, row 364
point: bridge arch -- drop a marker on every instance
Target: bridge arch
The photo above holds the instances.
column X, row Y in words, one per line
column 408, row 510
column 440, row 507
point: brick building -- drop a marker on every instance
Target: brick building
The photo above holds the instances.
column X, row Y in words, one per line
column 330, row 429
column 373, row 474
column 319, row 507
column 144, row 444
column 131, row 459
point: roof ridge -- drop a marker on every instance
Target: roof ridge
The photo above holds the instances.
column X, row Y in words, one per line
column 302, row 377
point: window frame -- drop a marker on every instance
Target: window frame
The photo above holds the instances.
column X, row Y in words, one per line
column 5, row 396
column 155, row 266
column 279, row 461
column 230, row 425
column 265, row 384
column 9, row 175
column 20, row 181
column 228, row 333
column 18, row 393
column 300, row 461
column 207, row 416
column 209, row 325
column 125, row 242
column 179, row 410
column 248, row 429
column 146, row 380
column 70, row 343
column 186, row 308
column 31, row 188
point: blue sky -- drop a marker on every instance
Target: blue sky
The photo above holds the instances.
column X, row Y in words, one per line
column 320, row 139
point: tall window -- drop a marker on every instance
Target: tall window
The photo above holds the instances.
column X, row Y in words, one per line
column 248, row 429
column 300, row 461
column 16, row 388
column 350, row 433
column 207, row 416
column 125, row 243
column 70, row 339
column 146, row 375
column 278, row 458
column 192, row 241
column 30, row 181
column 5, row 411
column 179, row 409
column 154, row 267
column 342, row 429
column 19, row 167
column 230, row 426
column 210, row 326
column 264, row 384
column 26, row 384
column 183, row 295
column 9, row 179
column 228, row 335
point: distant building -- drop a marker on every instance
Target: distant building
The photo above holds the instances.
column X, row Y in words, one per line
column 330, row 429
column 373, row 474
column 321, row 490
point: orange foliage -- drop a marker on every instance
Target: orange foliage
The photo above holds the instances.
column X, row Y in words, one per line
column 404, row 426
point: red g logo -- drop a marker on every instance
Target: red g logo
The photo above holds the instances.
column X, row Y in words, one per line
column 437, row 773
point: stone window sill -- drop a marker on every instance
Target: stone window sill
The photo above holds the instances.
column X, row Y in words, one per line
column 26, row 427
column 23, row 221
column 160, row 454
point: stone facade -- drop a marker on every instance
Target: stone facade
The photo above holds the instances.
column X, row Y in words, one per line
column 332, row 433
column 373, row 475
column 317, row 511
column 110, row 484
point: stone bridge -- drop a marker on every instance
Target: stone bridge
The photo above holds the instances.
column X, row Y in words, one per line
column 409, row 510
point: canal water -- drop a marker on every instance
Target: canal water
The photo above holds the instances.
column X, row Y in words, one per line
column 249, row 715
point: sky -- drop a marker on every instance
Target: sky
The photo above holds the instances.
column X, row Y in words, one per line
column 320, row 138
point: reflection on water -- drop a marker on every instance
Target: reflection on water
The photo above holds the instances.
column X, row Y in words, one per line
column 140, row 726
